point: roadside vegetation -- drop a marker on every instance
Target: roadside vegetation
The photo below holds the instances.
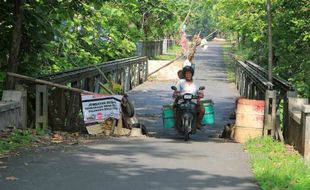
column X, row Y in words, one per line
column 176, row 49
column 165, row 57
column 277, row 166
column 229, row 62
column 171, row 54
column 244, row 23
column 13, row 139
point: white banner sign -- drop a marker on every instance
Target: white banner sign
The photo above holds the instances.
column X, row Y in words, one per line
column 97, row 108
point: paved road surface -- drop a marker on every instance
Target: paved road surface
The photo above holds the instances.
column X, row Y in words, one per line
column 163, row 161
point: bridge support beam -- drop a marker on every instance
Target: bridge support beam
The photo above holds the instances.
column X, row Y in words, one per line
column 270, row 113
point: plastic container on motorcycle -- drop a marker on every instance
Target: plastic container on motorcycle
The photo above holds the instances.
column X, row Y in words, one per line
column 208, row 118
column 168, row 116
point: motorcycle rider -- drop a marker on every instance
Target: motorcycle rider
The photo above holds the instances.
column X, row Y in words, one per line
column 187, row 85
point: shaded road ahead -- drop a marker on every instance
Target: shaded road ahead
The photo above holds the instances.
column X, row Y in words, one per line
column 162, row 162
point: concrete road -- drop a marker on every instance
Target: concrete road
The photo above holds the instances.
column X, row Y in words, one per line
column 163, row 161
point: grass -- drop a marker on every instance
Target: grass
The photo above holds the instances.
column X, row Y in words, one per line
column 275, row 167
column 229, row 63
column 18, row 138
column 176, row 49
column 171, row 54
column 165, row 57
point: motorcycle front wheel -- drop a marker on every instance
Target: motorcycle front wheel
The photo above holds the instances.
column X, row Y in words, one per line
column 187, row 127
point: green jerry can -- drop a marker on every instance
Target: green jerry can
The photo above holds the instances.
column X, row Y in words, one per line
column 167, row 114
column 208, row 118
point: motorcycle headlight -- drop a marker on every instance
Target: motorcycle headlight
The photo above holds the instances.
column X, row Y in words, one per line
column 187, row 96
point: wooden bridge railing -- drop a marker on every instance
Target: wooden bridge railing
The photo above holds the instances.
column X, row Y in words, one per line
column 150, row 49
column 252, row 82
column 61, row 109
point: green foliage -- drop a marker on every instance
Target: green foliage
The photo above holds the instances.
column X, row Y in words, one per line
column 277, row 168
column 176, row 49
column 79, row 33
column 165, row 57
column 229, row 62
column 60, row 35
column 246, row 23
column 171, row 54
column 19, row 138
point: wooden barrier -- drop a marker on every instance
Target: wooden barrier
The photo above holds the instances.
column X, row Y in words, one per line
column 298, row 131
column 10, row 109
column 60, row 108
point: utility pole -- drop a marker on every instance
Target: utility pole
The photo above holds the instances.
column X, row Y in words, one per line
column 270, row 55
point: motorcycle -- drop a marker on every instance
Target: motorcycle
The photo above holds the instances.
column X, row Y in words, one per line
column 187, row 109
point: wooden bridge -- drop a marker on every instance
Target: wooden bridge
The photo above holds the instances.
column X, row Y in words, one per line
column 61, row 109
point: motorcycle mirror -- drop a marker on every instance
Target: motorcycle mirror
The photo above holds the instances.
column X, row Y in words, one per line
column 173, row 88
column 201, row 88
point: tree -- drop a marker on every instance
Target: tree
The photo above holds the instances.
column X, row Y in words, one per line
column 15, row 43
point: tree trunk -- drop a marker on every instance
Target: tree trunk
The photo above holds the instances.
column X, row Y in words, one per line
column 15, row 44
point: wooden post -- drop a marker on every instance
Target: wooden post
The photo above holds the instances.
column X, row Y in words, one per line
column 123, row 81
column 91, row 84
column 97, row 85
column 139, row 74
column 270, row 113
column 146, row 70
column 137, row 77
column 85, row 84
column 41, row 107
column 165, row 45
column 242, row 88
column 126, row 79
column 129, row 77
column 237, row 76
column 246, row 87
column 133, row 76
column 23, row 105
column 306, row 132
column 286, row 114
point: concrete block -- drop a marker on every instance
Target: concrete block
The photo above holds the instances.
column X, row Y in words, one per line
column 11, row 95
column 306, row 108
column 136, row 132
column 296, row 103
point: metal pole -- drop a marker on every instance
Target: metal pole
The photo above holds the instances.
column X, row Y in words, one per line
column 270, row 58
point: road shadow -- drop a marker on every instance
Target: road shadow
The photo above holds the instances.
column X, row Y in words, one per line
column 88, row 168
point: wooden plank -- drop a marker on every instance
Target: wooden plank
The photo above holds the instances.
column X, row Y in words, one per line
column 39, row 81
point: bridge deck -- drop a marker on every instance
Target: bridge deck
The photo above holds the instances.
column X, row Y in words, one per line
column 164, row 161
